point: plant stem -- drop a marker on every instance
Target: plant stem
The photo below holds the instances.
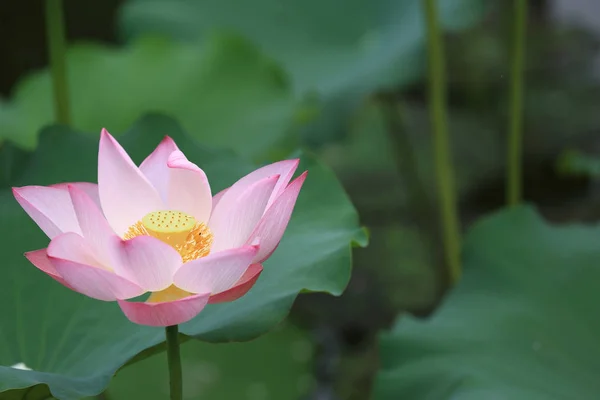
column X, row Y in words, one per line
column 55, row 32
column 174, row 360
column 443, row 163
column 420, row 205
column 514, row 173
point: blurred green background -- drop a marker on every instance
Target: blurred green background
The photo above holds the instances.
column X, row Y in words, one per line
column 344, row 79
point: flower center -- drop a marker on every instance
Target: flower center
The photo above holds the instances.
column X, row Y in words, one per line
column 190, row 238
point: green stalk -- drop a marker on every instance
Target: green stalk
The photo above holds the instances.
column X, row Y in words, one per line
column 55, row 32
column 514, row 167
column 174, row 360
column 443, row 163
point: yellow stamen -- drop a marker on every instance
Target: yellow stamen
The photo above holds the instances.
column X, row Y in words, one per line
column 190, row 238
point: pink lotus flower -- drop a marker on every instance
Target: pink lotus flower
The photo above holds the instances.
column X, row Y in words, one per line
column 158, row 229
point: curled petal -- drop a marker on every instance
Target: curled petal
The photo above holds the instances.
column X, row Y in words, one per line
column 189, row 190
column 232, row 226
column 241, row 287
column 182, row 185
column 154, row 167
column 125, row 193
column 271, row 227
column 49, row 207
column 148, row 262
column 284, row 169
column 95, row 282
column 216, row 272
column 164, row 314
